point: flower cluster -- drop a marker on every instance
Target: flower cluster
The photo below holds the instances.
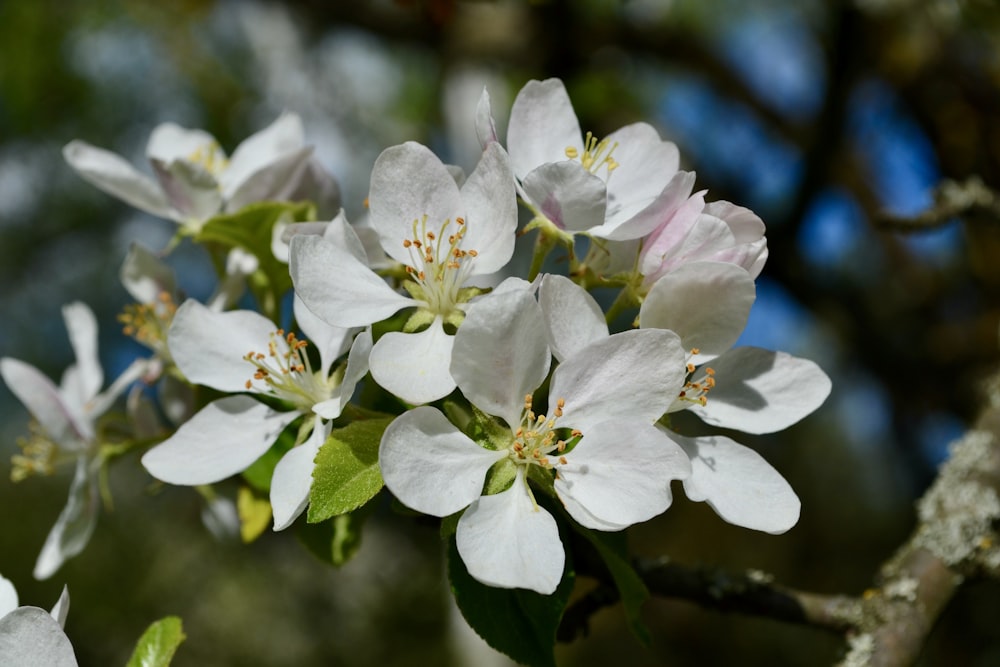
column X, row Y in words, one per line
column 513, row 407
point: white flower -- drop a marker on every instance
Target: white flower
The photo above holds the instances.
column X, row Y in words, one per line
column 31, row 636
column 196, row 180
column 244, row 351
column 609, row 465
column 66, row 416
column 610, row 188
column 443, row 234
column 746, row 388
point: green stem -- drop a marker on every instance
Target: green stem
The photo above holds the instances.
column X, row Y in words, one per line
column 626, row 299
column 543, row 246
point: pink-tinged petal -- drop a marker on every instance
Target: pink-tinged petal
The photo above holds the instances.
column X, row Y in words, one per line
column 292, row 478
column 170, row 142
column 572, row 316
column 191, row 189
column 146, row 276
column 221, row 440
column 709, row 239
column 542, row 126
column 8, row 596
column 408, row 183
column 414, row 366
column 490, row 211
column 81, row 324
column 431, row 466
column 630, row 376
column 337, row 287
column 75, row 524
column 568, row 195
column 739, row 484
column 746, row 225
column 507, row 541
column 118, row 178
column 276, row 181
column 760, row 391
column 486, row 127
column 646, row 164
column 260, row 150
column 42, row 399
column 705, row 303
column 500, row 353
column 29, row 637
column 357, row 367
column 652, row 215
column 619, row 474
column 209, row 347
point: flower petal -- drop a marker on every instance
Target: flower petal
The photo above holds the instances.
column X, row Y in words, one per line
column 619, row 474
column 169, row 142
column 209, row 347
column 191, row 189
column 542, row 126
column 75, row 524
column 276, row 181
column 81, row 324
column 644, row 220
column 631, row 375
column 338, row 287
column 505, row 540
column 486, row 127
column 414, row 366
column 646, row 164
column 500, row 354
column 573, row 317
column 760, row 391
column 262, row 149
column 331, row 341
column 42, row 399
column 222, row 439
column 8, row 596
column 357, row 367
column 431, row 466
column 146, row 276
column 118, row 178
column 408, row 183
column 29, row 636
column 568, row 195
column 292, row 478
column 491, row 211
column 705, row 303
column 739, row 484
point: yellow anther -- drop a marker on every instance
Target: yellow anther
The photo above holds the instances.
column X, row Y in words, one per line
column 572, row 153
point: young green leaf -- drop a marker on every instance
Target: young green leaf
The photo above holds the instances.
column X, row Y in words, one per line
column 158, row 643
column 613, row 550
column 347, row 475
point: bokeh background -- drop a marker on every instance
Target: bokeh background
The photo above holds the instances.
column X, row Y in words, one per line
column 826, row 117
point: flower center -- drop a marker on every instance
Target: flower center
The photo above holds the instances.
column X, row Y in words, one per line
column 286, row 373
column 596, row 154
column 695, row 390
column 149, row 323
column 37, row 457
column 536, row 437
column 439, row 265
column 211, row 157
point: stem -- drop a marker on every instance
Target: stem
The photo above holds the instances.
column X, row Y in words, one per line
column 625, row 299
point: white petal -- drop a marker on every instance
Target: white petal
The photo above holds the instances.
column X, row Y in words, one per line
column 190, row 188
column 139, row 368
column 490, row 211
column 708, row 239
column 431, row 466
column 221, row 440
column 42, row 399
column 486, row 127
column 339, row 288
column 500, row 353
column 276, row 181
column 568, row 195
column 169, row 142
column 619, row 474
column 262, row 149
column 739, row 484
column 146, row 276
column 572, row 316
column 61, row 608
column 542, row 126
column 30, row 637
column 746, row 225
column 506, row 541
column 118, row 178
column 81, row 324
column 705, row 303
column 760, row 391
column 331, row 341
column 414, row 366
column 408, row 183
column 628, row 376
column 646, row 164
column 357, row 367
column 209, row 347
column 292, row 478
column 8, row 596
column 75, row 524
column 642, row 220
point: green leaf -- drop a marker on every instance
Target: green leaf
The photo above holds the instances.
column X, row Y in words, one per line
column 259, row 474
column 158, row 643
column 251, row 229
column 347, row 475
column 520, row 623
column 335, row 541
column 254, row 512
column 613, row 549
